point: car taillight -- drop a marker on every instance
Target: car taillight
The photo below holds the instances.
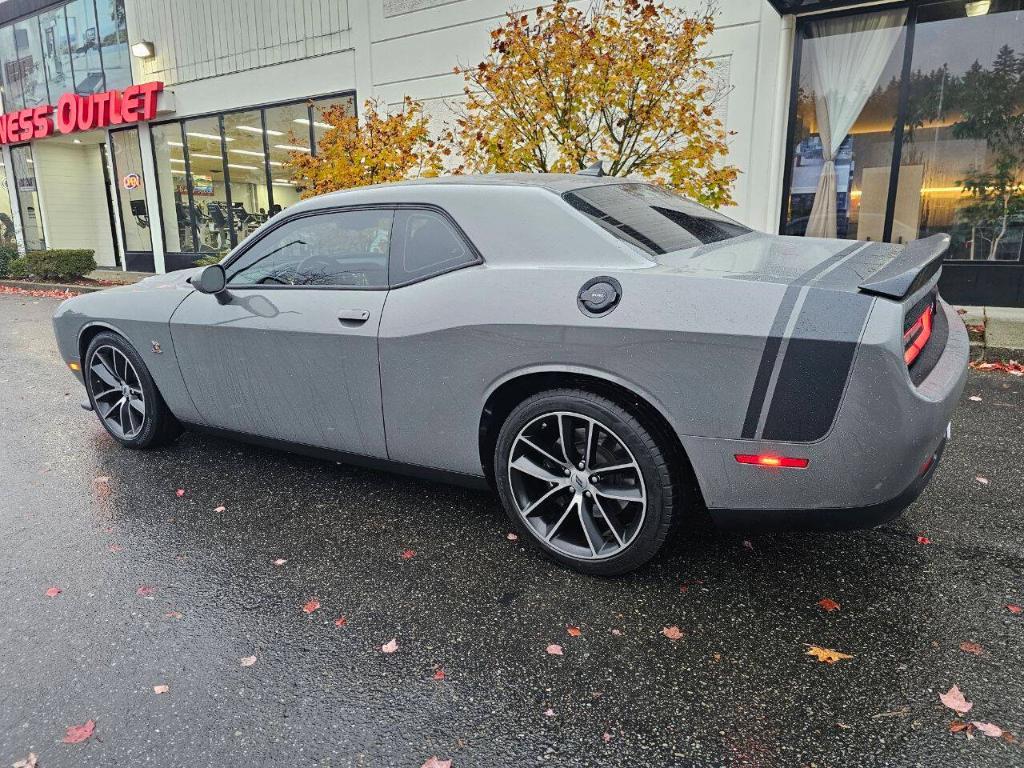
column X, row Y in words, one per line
column 918, row 334
column 771, row 460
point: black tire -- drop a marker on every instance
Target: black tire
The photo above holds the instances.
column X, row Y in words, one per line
column 649, row 454
column 158, row 425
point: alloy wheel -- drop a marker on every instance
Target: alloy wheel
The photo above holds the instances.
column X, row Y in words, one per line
column 576, row 485
column 117, row 392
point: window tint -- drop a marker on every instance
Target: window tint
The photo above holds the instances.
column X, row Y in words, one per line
column 651, row 218
column 425, row 243
column 348, row 248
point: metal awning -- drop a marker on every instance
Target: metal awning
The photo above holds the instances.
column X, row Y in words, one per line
column 804, row 6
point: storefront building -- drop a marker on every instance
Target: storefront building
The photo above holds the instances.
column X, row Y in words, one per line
column 870, row 120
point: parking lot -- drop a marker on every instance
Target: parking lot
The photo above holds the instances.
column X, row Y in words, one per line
column 176, row 567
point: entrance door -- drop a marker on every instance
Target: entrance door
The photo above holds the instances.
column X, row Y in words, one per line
column 289, row 352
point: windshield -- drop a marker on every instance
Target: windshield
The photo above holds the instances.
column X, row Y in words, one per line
column 652, row 219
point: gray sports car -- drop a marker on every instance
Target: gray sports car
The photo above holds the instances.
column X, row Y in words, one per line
column 610, row 357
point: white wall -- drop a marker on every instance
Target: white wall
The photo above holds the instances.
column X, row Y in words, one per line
column 73, row 197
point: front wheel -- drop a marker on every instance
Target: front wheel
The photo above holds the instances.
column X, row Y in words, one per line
column 586, row 480
column 123, row 395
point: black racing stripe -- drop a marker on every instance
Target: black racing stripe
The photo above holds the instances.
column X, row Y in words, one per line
column 767, row 364
column 816, row 367
column 817, row 269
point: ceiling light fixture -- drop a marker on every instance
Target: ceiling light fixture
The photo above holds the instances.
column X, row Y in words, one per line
column 291, row 147
column 253, row 129
column 249, row 152
column 242, row 167
column 304, row 121
column 212, row 137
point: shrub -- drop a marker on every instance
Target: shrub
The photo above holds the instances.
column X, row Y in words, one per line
column 60, row 263
column 206, row 261
column 17, row 268
column 8, row 254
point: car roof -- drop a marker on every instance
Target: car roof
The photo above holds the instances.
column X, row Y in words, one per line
column 555, row 182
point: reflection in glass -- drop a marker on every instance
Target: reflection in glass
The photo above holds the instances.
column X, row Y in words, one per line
column 247, row 171
column 28, row 198
column 56, row 52
column 113, row 34
column 962, row 167
column 287, row 131
column 320, row 106
column 131, row 190
column 83, row 38
column 7, row 235
column 172, row 183
column 11, row 70
column 847, row 102
column 30, row 63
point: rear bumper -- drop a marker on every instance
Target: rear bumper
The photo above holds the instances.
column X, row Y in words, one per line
column 835, row 519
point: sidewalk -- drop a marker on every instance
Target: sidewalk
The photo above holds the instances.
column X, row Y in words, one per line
column 996, row 332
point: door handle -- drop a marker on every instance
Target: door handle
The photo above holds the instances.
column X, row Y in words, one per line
column 353, row 316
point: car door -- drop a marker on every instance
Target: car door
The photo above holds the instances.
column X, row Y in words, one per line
column 289, row 350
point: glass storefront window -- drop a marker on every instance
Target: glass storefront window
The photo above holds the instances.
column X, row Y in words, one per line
column 8, row 238
column 847, row 104
column 247, row 170
column 962, row 166
column 287, row 131
column 30, row 61
column 347, row 105
column 56, row 52
column 83, row 36
column 28, row 198
column 209, row 194
column 172, row 184
column 131, row 190
column 113, row 32
column 11, row 70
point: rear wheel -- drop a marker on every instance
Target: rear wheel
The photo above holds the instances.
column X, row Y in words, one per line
column 123, row 395
column 586, row 480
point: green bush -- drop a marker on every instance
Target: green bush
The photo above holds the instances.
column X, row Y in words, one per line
column 8, row 254
column 206, row 261
column 17, row 268
column 60, row 263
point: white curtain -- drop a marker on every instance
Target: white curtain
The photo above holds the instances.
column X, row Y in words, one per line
column 846, row 58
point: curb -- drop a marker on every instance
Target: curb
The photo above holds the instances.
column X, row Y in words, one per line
column 32, row 286
column 997, row 333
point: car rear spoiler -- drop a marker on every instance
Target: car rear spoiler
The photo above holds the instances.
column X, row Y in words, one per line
column 914, row 266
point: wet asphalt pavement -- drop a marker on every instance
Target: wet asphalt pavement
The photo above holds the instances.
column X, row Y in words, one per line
column 737, row 690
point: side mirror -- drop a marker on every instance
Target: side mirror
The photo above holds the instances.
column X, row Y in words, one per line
column 211, row 280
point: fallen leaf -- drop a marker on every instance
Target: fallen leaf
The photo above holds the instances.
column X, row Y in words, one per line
column 220, row 509
column 955, row 700
column 180, row 492
column 748, row 545
column 439, row 674
column 988, row 729
column 280, row 561
column 606, row 737
column 145, row 591
column 573, row 631
column 716, row 656
column 408, row 554
column 32, row 761
column 549, row 712
column 390, row 646
column 975, row 398
column 173, row 615
column 247, row 661
column 311, row 606
column 828, row 604
column 683, row 589
column 76, row 734
column 341, row 621
column 958, row 725
column 436, row 762
column 101, row 487
column 673, row 633
column 161, row 689
column 974, row 648
column 1014, row 609
column 826, row 655
column 922, row 539
column 982, row 480
column 554, row 649
column 617, row 632
column 512, row 537
column 53, row 591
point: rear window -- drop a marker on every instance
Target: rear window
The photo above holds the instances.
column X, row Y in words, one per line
column 652, row 219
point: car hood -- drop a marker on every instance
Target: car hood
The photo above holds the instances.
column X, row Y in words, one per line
column 836, row 264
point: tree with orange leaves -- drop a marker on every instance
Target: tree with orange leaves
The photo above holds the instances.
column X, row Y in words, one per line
column 378, row 148
column 622, row 81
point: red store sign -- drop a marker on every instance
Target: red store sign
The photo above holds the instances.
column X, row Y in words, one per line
column 75, row 113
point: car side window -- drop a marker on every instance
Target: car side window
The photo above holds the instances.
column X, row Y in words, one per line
column 339, row 248
column 425, row 243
